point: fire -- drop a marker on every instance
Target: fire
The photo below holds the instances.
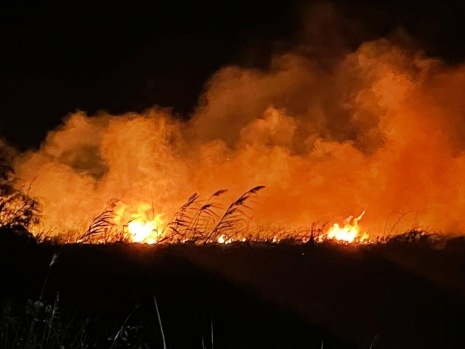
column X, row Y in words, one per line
column 223, row 240
column 380, row 127
column 349, row 233
column 145, row 231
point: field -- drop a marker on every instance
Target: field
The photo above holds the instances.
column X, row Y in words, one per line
column 407, row 293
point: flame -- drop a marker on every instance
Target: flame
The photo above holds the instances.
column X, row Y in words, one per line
column 349, row 233
column 222, row 239
column 145, row 231
column 380, row 127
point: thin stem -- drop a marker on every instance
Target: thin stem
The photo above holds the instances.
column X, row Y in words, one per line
column 159, row 322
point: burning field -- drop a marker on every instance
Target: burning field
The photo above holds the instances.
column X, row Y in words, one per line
column 378, row 133
column 316, row 201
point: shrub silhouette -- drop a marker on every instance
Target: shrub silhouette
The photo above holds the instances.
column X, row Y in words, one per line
column 17, row 209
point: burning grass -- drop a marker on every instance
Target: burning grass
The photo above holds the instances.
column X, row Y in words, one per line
column 197, row 221
column 200, row 221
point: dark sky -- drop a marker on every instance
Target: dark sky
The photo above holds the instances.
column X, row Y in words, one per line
column 124, row 56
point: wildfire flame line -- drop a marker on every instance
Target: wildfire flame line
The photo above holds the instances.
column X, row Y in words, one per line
column 197, row 221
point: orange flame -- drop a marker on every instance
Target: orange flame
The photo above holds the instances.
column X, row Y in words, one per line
column 349, row 233
column 145, row 231
column 140, row 228
column 223, row 240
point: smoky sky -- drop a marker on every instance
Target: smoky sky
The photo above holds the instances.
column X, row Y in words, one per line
column 128, row 56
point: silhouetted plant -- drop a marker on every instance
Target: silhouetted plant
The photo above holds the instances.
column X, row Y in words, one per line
column 235, row 217
column 17, row 208
column 103, row 224
column 204, row 217
column 180, row 222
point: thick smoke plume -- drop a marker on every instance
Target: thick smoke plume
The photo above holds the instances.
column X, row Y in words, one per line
column 380, row 129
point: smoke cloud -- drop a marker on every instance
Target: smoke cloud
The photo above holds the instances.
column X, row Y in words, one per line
column 379, row 128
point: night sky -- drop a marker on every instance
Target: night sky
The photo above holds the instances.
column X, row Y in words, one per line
column 128, row 56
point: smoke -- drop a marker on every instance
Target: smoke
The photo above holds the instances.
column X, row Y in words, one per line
column 378, row 128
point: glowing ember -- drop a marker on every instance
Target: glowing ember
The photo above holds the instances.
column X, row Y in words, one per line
column 349, row 232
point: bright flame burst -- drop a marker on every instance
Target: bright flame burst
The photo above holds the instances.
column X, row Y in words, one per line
column 145, row 231
column 223, row 240
column 349, row 233
column 141, row 230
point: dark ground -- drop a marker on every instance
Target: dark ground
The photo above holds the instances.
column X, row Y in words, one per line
column 402, row 294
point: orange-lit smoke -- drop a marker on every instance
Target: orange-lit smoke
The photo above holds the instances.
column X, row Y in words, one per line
column 382, row 130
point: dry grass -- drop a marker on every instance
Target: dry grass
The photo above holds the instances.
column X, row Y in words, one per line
column 195, row 221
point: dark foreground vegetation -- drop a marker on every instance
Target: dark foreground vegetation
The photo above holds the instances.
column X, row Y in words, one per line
column 407, row 293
